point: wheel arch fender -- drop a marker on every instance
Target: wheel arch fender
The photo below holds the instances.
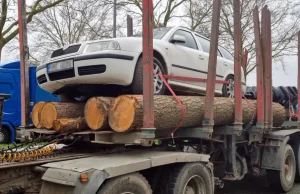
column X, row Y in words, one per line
column 11, row 129
column 275, row 142
column 161, row 56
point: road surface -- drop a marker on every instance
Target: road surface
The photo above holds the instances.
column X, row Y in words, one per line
column 252, row 185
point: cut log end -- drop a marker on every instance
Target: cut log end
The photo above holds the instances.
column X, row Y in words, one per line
column 48, row 115
column 57, row 124
column 70, row 125
column 36, row 114
column 95, row 115
column 122, row 113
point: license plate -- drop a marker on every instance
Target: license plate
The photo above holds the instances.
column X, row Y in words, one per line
column 60, row 66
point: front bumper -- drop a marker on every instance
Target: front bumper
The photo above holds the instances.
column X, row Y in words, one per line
column 105, row 67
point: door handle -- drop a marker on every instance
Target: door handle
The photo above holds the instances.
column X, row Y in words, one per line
column 225, row 64
column 200, row 57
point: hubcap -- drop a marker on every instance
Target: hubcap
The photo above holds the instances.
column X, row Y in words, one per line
column 289, row 168
column 195, row 185
column 230, row 88
column 158, row 83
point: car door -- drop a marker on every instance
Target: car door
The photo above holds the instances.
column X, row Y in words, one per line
column 205, row 44
column 185, row 59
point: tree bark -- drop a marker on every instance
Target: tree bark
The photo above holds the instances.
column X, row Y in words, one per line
column 70, row 125
column 127, row 112
column 36, row 114
column 96, row 112
column 58, row 110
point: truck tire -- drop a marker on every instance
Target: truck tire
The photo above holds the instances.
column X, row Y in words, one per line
column 134, row 183
column 296, row 148
column 137, row 82
column 189, row 178
column 4, row 135
column 283, row 180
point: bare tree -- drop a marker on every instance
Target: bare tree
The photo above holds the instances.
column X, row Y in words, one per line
column 285, row 25
column 70, row 22
column 9, row 23
column 164, row 10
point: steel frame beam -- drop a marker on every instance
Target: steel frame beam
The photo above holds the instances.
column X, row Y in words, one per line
column 208, row 121
column 148, row 87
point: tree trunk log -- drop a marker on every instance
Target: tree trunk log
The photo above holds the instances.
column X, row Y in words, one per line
column 127, row 112
column 58, row 110
column 70, row 125
column 36, row 114
column 96, row 112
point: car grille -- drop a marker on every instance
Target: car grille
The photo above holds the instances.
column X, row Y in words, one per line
column 61, row 75
column 70, row 49
column 42, row 79
column 90, row 70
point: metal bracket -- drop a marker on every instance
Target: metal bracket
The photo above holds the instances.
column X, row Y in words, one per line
column 185, row 133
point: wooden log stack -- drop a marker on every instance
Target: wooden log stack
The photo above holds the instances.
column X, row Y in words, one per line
column 125, row 113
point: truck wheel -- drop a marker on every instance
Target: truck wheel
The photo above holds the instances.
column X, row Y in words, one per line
column 191, row 178
column 134, row 183
column 283, row 180
column 4, row 135
column 296, row 148
column 137, row 82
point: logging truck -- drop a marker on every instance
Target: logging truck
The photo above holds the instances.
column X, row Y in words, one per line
column 162, row 144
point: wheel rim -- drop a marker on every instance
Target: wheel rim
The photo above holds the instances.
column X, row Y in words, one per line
column 230, row 88
column 158, row 83
column 195, row 185
column 289, row 168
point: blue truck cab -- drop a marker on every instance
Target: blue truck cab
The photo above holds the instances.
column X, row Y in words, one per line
column 10, row 84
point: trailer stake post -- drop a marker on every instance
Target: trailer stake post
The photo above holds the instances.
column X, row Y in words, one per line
column 298, row 111
column 24, row 57
column 238, row 113
column 148, row 87
column 259, row 71
column 208, row 121
column 268, row 71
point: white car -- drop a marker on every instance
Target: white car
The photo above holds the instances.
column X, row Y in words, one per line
column 109, row 66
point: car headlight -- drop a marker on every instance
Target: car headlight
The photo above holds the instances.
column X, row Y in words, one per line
column 103, row 45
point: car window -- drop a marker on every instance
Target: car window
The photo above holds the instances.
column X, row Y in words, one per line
column 189, row 39
column 226, row 54
column 206, row 45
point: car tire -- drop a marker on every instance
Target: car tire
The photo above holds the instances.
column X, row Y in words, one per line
column 137, row 82
column 4, row 135
column 281, row 180
column 227, row 88
column 189, row 176
column 130, row 183
column 68, row 98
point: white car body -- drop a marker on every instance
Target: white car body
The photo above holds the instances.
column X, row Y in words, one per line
column 117, row 67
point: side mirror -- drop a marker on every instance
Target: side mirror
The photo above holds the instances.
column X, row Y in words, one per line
column 178, row 38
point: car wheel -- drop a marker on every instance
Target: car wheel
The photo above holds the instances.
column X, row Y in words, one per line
column 137, row 83
column 228, row 89
column 68, row 98
column 4, row 135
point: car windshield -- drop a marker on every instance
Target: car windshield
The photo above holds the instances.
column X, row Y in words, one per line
column 159, row 33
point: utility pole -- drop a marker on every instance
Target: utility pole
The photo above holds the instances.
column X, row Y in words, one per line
column 24, row 57
column 129, row 26
column 115, row 20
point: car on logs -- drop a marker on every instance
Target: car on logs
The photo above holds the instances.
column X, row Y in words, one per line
column 114, row 66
